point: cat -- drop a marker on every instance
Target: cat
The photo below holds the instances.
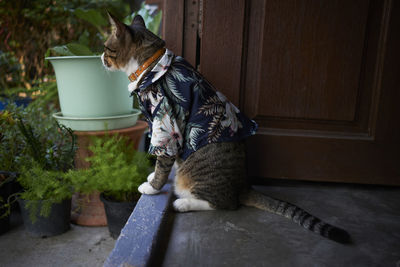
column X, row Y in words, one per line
column 194, row 127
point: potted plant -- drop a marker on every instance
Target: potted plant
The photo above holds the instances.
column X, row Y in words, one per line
column 49, row 150
column 12, row 145
column 116, row 170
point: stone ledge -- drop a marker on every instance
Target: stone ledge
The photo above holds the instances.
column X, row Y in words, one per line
column 139, row 237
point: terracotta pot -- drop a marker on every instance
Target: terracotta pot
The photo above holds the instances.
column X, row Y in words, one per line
column 134, row 133
column 88, row 210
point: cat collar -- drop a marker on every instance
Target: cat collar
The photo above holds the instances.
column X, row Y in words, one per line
column 136, row 74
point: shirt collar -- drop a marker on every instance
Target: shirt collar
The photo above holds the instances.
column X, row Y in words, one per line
column 156, row 73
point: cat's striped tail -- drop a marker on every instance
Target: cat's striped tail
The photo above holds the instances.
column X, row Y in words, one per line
column 255, row 199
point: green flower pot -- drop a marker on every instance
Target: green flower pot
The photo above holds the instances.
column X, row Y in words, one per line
column 86, row 89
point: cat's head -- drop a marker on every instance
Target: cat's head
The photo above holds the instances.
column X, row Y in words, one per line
column 129, row 46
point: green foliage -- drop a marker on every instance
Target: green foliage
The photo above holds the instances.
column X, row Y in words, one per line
column 32, row 133
column 49, row 154
column 46, row 95
column 29, row 28
column 88, row 38
column 5, row 204
column 33, row 144
column 99, row 21
column 72, row 49
column 151, row 19
column 49, row 186
column 94, row 17
column 116, row 169
column 45, row 92
column 12, row 145
column 10, row 69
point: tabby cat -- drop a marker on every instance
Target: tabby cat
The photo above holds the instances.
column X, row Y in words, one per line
column 195, row 127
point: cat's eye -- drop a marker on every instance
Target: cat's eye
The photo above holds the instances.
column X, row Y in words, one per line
column 109, row 49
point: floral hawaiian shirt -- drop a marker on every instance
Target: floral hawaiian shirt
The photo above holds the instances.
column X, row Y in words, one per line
column 184, row 111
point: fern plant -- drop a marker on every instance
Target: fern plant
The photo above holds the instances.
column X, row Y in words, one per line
column 116, row 169
column 43, row 188
column 11, row 143
column 42, row 174
column 45, row 152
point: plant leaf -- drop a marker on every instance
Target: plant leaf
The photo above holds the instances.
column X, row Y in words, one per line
column 84, row 38
column 92, row 16
column 72, row 49
column 61, row 50
column 79, row 49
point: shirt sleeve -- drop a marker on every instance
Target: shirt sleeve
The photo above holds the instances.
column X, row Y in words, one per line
column 166, row 137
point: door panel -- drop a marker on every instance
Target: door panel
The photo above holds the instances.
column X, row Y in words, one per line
column 312, row 58
column 315, row 87
column 222, row 45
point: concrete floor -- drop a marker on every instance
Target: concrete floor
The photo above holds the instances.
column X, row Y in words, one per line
column 246, row 237
column 250, row 237
column 80, row 246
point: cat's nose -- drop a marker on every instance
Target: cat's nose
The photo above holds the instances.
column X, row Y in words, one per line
column 105, row 62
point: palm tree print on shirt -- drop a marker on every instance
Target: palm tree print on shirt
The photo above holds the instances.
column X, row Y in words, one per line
column 223, row 115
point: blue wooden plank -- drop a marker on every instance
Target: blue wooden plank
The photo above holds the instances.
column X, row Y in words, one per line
column 139, row 236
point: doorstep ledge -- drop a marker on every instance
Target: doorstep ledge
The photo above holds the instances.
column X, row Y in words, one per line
column 138, row 239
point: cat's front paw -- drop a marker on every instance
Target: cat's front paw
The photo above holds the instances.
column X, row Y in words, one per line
column 150, row 177
column 147, row 189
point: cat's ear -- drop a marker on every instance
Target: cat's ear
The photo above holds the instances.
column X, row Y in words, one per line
column 118, row 28
column 138, row 21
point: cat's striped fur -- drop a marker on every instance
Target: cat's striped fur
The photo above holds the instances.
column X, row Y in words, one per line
column 216, row 173
column 213, row 177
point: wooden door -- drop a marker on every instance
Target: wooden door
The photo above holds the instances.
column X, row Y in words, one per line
column 320, row 77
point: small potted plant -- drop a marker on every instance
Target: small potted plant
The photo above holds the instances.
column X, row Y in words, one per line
column 116, row 170
column 13, row 148
column 49, row 150
column 12, row 142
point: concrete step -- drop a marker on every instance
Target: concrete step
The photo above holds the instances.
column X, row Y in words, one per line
column 157, row 236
